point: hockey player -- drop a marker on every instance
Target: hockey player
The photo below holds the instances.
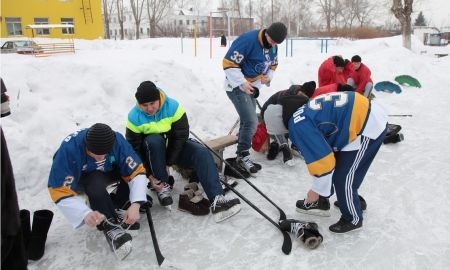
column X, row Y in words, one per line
column 334, row 70
column 250, row 63
column 339, row 135
column 158, row 130
column 360, row 77
column 86, row 163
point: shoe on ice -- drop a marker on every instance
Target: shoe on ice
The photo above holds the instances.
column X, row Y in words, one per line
column 118, row 239
column 274, row 149
column 287, row 155
column 193, row 202
column 223, row 208
column 361, row 200
column 232, row 169
column 321, row 207
column 307, row 232
column 230, row 181
column 343, row 226
column 243, row 160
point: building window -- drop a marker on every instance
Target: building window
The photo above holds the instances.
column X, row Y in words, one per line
column 68, row 31
column 180, row 22
column 194, row 22
column 187, row 22
column 43, row 31
column 14, row 26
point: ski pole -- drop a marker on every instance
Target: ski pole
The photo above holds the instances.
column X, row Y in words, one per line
column 282, row 214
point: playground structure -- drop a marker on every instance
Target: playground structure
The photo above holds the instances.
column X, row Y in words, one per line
column 323, row 44
column 67, row 45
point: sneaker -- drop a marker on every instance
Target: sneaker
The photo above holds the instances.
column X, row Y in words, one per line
column 287, row 155
column 117, row 238
column 223, row 208
column 243, row 160
column 361, row 200
column 343, row 226
column 274, row 149
column 320, row 207
column 164, row 193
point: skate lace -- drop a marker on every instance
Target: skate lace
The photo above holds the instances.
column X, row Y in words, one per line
column 297, row 229
column 165, row 191
column 247, row 162
column 310, row 205
column 219, row 199
column 114, row 232
column 121, row 214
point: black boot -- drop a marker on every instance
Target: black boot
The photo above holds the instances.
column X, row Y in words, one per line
column 41, row 224
column 26, row 226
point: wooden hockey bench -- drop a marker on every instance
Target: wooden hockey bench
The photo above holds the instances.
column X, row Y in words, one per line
column 218, row 145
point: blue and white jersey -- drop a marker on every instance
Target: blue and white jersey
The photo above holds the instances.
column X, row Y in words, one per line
column 247, row 60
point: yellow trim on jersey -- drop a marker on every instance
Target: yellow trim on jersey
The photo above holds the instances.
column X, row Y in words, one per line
column 360, row 111
column 322, row 166
column 60, row 193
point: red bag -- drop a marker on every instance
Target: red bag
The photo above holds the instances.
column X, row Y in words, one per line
column 260, row 138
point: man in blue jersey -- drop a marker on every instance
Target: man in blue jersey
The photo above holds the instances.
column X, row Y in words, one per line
column 250, row 63
column 86, row 163
column 158, row 130
column 339, row 135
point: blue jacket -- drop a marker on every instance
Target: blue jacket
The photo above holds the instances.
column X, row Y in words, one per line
column 71, row 162
column 249, row 57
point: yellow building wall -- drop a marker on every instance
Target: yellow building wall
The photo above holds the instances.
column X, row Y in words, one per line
column 86, row 14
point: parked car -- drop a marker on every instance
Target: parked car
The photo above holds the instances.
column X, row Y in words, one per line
column 21, row 47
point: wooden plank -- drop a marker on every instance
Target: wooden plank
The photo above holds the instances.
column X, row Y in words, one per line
column 221, row 142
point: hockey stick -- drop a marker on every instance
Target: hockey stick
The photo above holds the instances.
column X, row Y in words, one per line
column 400, row 115
column 234, row 126
column 287, row 242
column 282, row 214
column 159, row 257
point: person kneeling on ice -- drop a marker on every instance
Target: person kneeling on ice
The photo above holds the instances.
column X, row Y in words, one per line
column 158, row 130
column 339, row 135
column 86, row 163
column 281, row 142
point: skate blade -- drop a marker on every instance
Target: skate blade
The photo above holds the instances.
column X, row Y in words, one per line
column 315, row 212
column 221, row 216
column 168, row 207
column 123, row 251
column 290, row 163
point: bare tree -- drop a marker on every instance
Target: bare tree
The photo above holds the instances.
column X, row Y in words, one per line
column 402, row 10
column 108, row 9
column 136, row 9
column 156, row 10
column 327, row 10
column 119, row 5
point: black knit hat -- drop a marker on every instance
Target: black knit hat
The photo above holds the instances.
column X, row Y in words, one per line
column 338, row 61
column 147, row 92
column 356, row 58
column 100, row 139
column 308, row 88
column 277, row 31
column 344, row 87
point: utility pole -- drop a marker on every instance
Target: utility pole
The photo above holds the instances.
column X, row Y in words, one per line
column 272, row 11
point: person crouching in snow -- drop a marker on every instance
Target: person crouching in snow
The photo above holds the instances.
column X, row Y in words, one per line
column 339, row 135
column 304, row 92
column 158, row 130
column 86, row 163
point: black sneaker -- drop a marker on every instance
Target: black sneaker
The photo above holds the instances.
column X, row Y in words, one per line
column 287, row 155
column 274, row 149
column 361, row 200
column 232, row 169
column 243, row 160
column 223, row 208
column 117, row 238
column 343, row 226
column 193, row 202
column 320, row 207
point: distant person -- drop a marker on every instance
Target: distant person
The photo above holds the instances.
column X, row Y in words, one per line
column 281, row 142
column 334, row 70
column 339, row 135
column 223, row 40
column 14, row 254
column 86, row 163
column 158, row 129
column 250, row 63
column 360, row 77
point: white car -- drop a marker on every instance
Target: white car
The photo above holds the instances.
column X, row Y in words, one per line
column 20, row 46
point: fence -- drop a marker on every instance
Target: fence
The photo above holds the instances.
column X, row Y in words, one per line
column 323, row 44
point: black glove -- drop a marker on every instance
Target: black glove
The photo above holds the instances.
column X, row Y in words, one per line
column 255, row 92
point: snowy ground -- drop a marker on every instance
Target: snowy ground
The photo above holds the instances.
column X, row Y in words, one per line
column 407, row 188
